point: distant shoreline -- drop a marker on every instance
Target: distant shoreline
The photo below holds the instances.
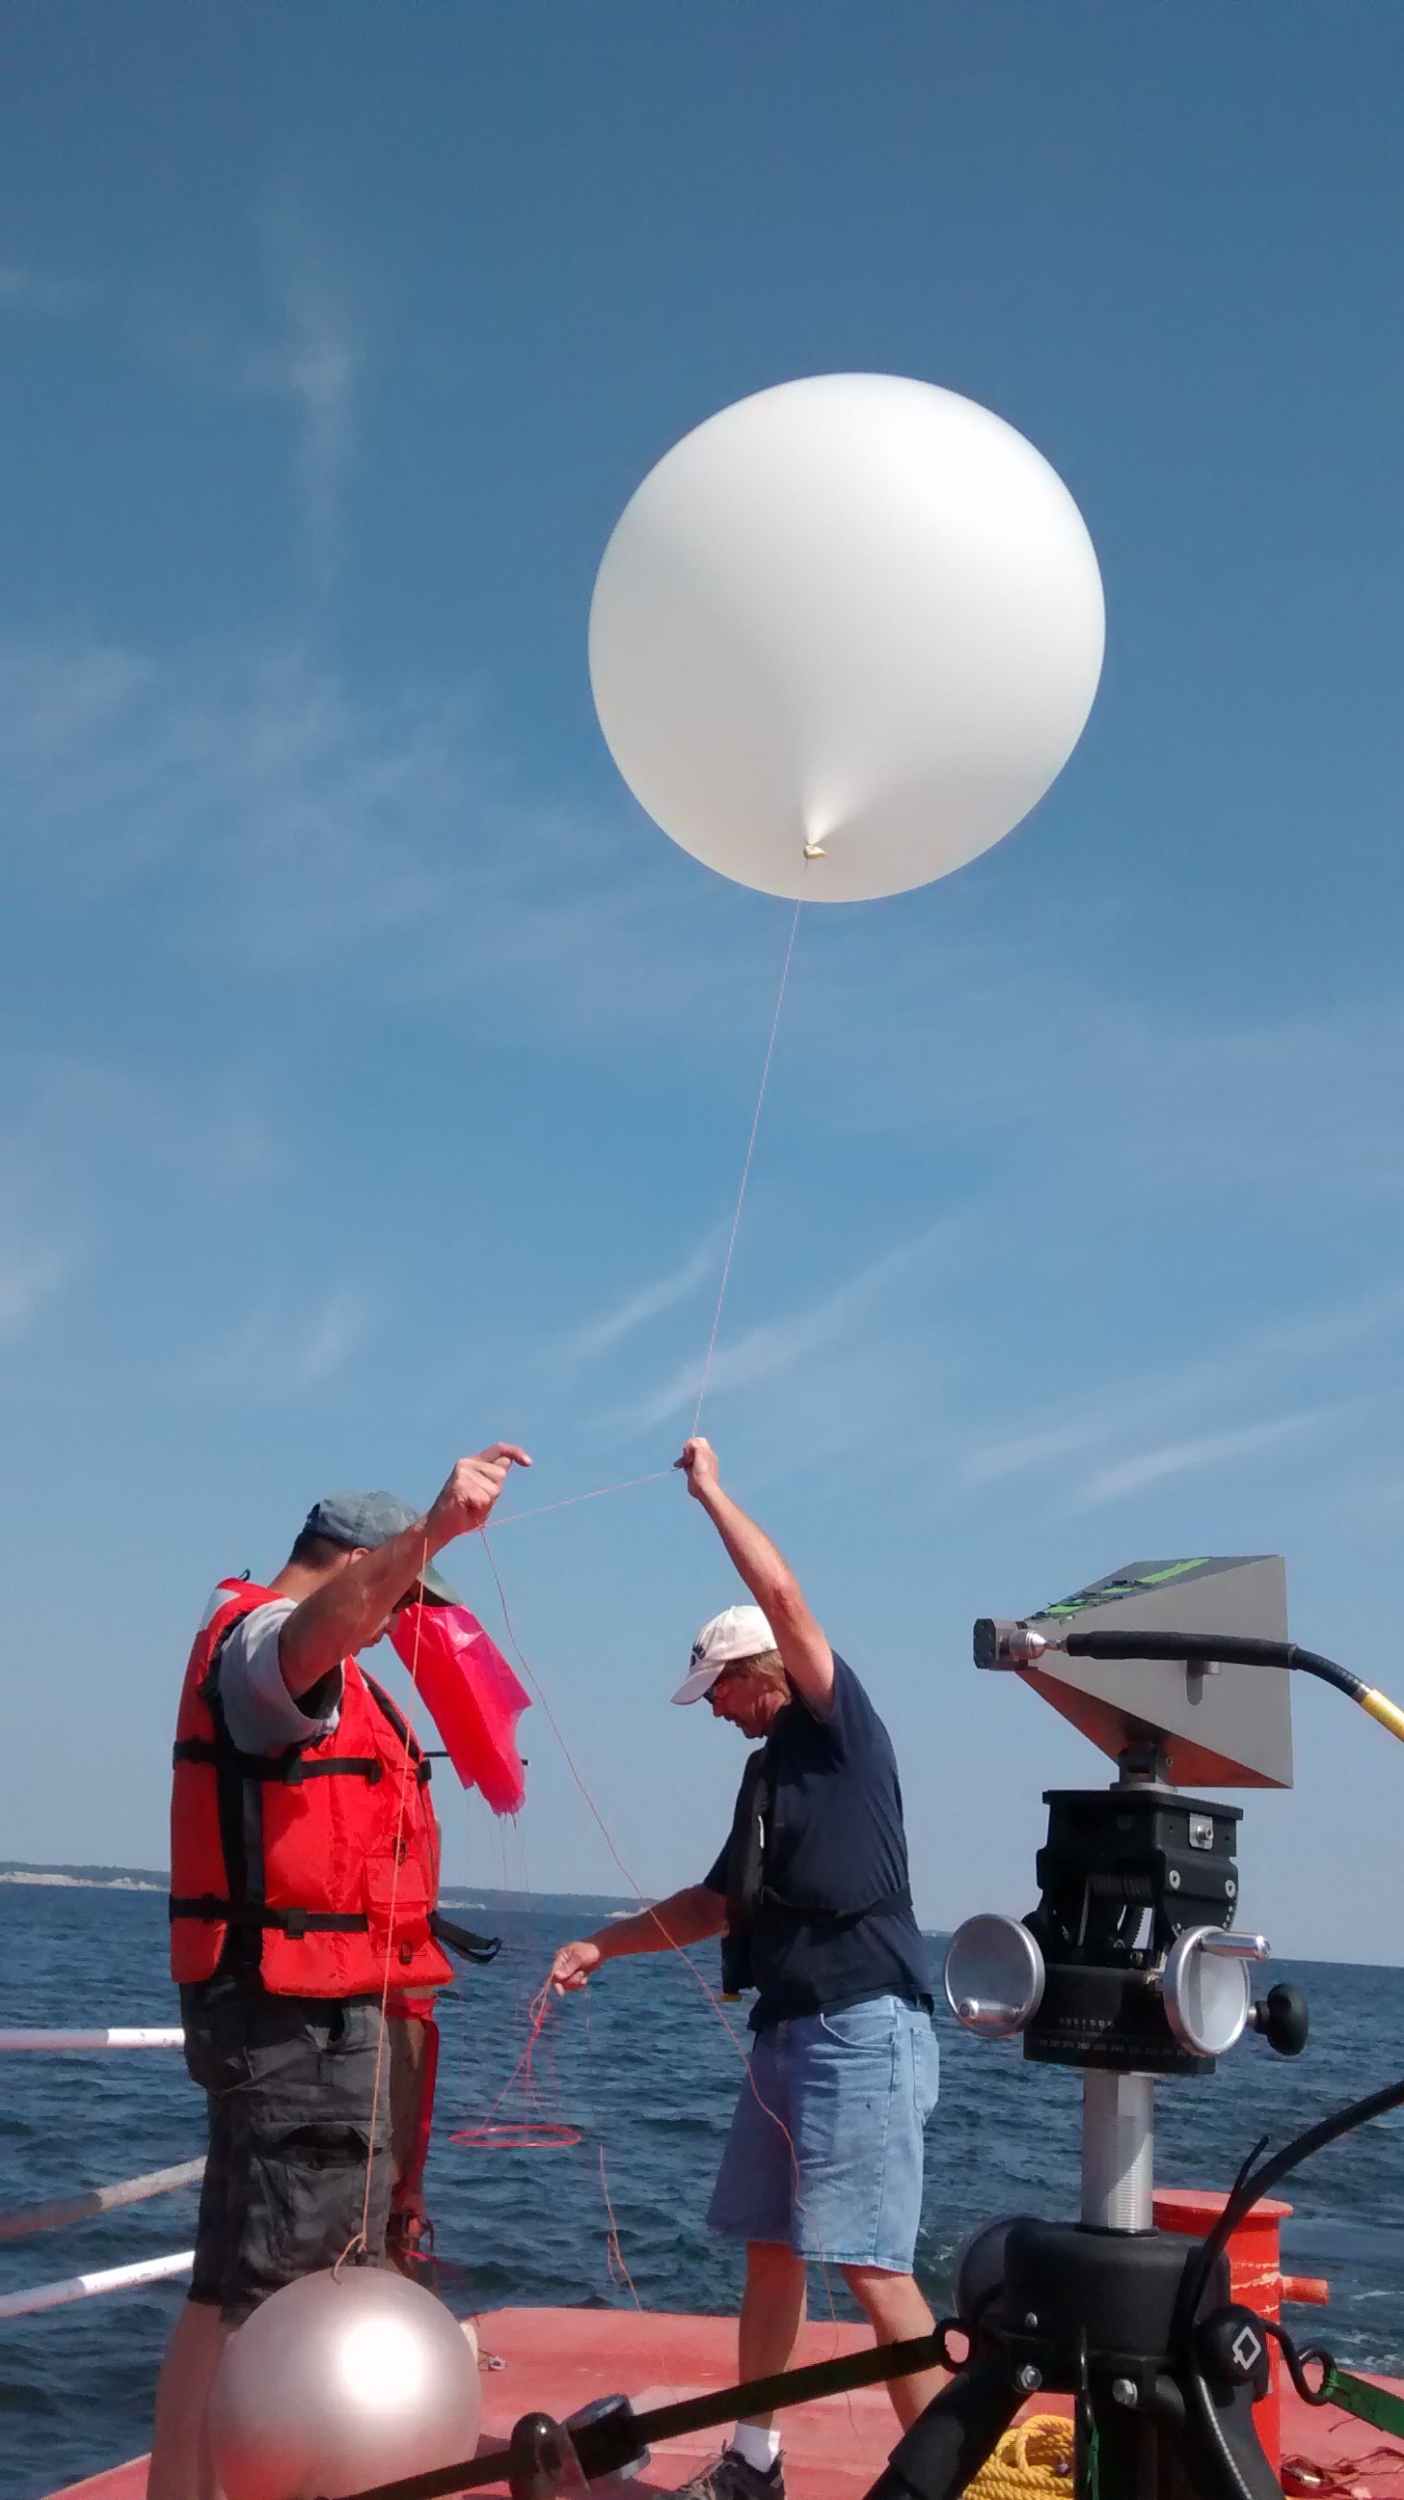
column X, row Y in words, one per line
column 153, row 1879
column 85, row 1878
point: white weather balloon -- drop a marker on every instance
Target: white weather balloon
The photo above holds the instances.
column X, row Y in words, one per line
column 339, row 2382
column 845, row 635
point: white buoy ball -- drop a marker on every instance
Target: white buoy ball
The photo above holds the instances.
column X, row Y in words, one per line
column 339, row 2382
column 845, row 635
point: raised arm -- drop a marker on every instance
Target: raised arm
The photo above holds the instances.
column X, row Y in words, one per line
column 684, row 1918
column 354, row 1607
column 804, row 1652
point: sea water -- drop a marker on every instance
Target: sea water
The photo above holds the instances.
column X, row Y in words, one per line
column 645, row 2068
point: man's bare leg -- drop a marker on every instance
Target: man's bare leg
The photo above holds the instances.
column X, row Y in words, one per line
column 895, row 2310
column 772, row 2314
column 180, row 2464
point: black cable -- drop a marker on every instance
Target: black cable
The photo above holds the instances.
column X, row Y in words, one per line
column 1251, row 2184
column 1258, row 2182
column 1296, row 2364
column 1218, row 1648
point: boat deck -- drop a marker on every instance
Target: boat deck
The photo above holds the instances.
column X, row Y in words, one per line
column 556, row 2360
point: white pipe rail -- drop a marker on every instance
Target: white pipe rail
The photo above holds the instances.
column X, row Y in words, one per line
column 147, row 2037
column 87, row 2286
column 101, row 2200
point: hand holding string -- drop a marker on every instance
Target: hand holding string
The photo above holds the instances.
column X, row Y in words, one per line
column 699, row 1464
column 573, row 1964
column 466, row 1501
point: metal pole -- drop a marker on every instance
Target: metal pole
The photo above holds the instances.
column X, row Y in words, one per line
column 1118, row 2151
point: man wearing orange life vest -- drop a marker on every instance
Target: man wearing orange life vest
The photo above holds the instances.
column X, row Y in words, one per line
column 304, row 1877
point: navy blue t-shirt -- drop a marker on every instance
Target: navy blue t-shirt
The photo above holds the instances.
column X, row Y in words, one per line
column 833, row 1840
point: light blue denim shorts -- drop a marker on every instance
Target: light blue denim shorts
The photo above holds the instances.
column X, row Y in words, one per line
column 825, row 2149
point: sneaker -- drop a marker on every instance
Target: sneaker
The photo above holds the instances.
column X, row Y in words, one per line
column 731, row 2478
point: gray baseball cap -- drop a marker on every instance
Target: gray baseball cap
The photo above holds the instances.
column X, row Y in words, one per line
column 372, row 1519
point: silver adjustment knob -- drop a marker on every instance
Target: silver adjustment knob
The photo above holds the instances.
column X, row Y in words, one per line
column 994, row 1976
column 1206, row 1989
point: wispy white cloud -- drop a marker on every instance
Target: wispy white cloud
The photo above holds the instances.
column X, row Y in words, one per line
column 25, row 290
column 990, row 1462
column 274, row 1355
column 771, row 1347
column 1144, row 1428
column 1194, row 1456
column 30, row 1275
column 310, row 359
column 76, row 1136
column 680, row 1284
column 314, row 367
column 285, row 825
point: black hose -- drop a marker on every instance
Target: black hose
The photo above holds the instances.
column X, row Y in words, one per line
column 1219, row 1648
column 1258, row 2182
column 1251, row 2184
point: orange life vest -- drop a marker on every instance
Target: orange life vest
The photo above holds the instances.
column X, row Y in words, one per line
column 346, row 1865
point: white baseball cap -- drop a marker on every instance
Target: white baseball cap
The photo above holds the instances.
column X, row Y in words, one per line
column 740, row 1632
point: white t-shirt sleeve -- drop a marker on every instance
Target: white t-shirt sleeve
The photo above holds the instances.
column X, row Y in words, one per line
column 259, row 1711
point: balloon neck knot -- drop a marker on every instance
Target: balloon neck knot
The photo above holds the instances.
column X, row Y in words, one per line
column 815, row 850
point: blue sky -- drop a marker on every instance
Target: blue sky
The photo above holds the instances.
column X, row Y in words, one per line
column 374, row 1079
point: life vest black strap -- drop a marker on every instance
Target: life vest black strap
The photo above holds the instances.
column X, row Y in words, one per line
column 335, row 1766
column 423, row 1768
column 752, row 1905
column 288, row 1769
column 771, row 1909
column 246, row 1919
column 208, row 1906
column 461, row 1940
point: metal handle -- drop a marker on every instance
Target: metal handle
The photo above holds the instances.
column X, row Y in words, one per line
column 1233, row 1948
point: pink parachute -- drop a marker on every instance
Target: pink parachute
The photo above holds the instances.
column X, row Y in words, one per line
column 471, row 1695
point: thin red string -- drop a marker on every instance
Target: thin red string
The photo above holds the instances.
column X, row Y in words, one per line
column 511, row 1517
column 530, row 2132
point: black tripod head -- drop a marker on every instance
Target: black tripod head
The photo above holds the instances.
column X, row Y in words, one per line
column 1130, row 1961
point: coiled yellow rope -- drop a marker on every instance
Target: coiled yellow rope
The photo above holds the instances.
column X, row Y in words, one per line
column 1033, row 2461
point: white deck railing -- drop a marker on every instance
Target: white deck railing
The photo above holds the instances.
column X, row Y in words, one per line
column 141, row 2038
column 93, row 2201
column 84, row 2286
column 22, row 2219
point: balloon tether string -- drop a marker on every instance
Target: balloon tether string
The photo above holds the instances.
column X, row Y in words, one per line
column 746, row 1170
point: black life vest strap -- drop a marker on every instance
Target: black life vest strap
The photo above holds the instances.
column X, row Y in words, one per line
column 255, row 1915
column 751, row 1905
column 246, row 1919
column 423, row 1768
column 242, row 1949
column 461, row 1940
column 290, row 1769
column 745, row 1873
column 771, row 1909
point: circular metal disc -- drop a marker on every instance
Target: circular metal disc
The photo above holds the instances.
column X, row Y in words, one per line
column 994, row 1975
column 1207, row 1996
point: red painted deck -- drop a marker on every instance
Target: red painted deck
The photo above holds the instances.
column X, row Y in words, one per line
column 556, row 2360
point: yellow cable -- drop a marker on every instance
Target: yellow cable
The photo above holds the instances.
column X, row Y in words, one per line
column 1386, row 1711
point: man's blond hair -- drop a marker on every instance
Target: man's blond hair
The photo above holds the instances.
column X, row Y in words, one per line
column 764, row 1665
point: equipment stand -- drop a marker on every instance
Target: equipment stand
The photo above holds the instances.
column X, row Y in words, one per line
column 1088, row 2310
column 1118, row 2151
